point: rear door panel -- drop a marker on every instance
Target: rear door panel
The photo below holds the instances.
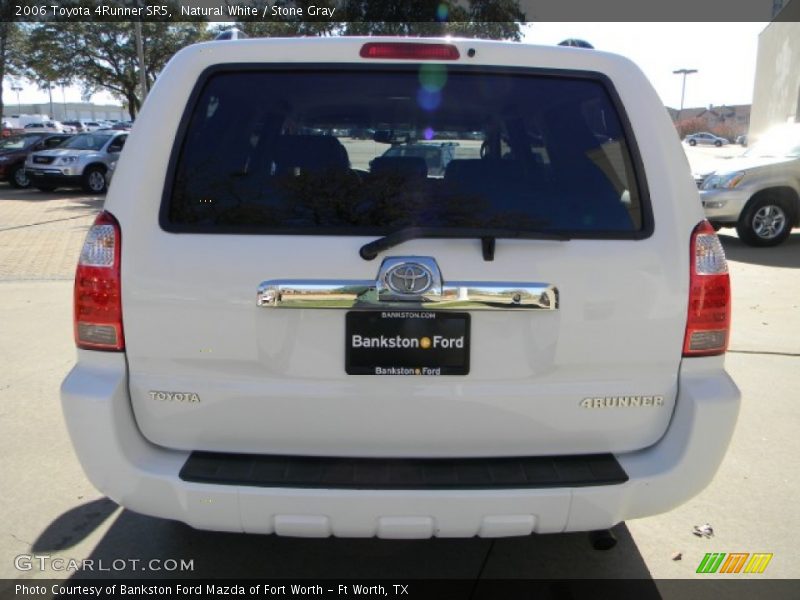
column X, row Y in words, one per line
column 273, row 380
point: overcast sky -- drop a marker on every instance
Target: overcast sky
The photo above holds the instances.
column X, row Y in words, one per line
column 723, row 53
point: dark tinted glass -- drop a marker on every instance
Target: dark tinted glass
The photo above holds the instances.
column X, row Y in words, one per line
column 18, row 142
column 369, row 151
column 87, row 141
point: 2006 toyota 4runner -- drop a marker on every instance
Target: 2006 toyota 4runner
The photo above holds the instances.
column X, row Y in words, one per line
column 281, row 329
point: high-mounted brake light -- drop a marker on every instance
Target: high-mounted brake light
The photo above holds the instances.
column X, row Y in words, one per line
column 709, row 320
column 409, row 51
column 98, row 299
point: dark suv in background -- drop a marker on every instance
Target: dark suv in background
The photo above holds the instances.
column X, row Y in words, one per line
column 14, row 150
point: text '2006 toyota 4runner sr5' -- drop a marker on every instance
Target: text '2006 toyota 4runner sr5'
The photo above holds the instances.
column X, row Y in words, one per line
column 284, row 328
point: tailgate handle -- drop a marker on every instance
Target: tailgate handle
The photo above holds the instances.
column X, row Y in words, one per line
column 454, row 295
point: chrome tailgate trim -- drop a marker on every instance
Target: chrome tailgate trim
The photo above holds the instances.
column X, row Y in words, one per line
column 454, row 295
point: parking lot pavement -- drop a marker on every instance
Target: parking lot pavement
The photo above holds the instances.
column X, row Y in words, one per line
column 49, row 508
column 704, row 159
column 41, row 234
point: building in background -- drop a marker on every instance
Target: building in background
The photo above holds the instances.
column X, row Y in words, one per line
column 726, row 121
column 68, row 111
column 776, row 95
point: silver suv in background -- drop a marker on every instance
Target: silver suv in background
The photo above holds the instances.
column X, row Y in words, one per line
column 758, row 193
column 81, row 162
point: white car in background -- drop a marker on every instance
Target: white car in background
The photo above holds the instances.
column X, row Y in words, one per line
column 48, row 126
column 91, row 125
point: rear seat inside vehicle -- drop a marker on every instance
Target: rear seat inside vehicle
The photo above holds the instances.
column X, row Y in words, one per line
column 526, row 188
column 284, row 155
column 502, row 181
column 308, row 153
column 413, row 167
column 574, row 148
column 530, row 189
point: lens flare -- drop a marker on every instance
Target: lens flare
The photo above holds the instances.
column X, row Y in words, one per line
column 428, row 100
column 428, row 133
column 433, row 77
column 442, row 12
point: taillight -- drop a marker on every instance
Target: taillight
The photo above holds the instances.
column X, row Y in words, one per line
column 98, row 300
column 709, row 321
column 409, row 51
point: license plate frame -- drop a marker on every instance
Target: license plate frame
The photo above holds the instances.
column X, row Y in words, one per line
column 407, row 342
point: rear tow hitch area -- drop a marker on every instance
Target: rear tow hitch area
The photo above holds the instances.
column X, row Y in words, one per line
column 602, row 539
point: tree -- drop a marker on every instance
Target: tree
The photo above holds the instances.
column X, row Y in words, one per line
column 283, row 26
column 488, row 19
column 102, row 55
column 10, row 46
column 690, row 126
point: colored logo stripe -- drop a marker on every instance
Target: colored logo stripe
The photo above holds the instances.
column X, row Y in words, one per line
column 734, row 562
column 713, row 562
column 758, row 562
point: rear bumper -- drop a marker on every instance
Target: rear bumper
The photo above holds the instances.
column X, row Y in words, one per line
column 145, row 478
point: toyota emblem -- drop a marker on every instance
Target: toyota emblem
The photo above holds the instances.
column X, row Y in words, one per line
column 409, row 278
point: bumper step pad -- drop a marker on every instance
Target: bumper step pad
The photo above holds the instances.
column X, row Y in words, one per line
column 402, row 474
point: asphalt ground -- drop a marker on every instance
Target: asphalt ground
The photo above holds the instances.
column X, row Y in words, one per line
column 48, row 508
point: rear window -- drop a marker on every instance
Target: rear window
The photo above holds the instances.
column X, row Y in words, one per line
column 368, row 151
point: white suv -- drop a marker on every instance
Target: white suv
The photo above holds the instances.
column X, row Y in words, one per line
column 275, row 338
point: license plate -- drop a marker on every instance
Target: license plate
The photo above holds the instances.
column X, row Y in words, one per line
column 406, row 343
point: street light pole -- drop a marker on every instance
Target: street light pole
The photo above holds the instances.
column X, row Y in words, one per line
column 140, row 56
column 683, row 72
column 17, row 88
column 50, row 93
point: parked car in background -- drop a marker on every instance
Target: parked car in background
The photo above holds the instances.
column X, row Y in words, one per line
column 91, row 125
column 433, row 157
column 758, row 193
column 706, row 139
column 123, row 125
column 14, row 150
column 77, row 126
column 81, row 162
column 48, row 126
column 8, row 129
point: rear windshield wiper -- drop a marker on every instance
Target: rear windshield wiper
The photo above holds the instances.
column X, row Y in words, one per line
column 487, row 236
